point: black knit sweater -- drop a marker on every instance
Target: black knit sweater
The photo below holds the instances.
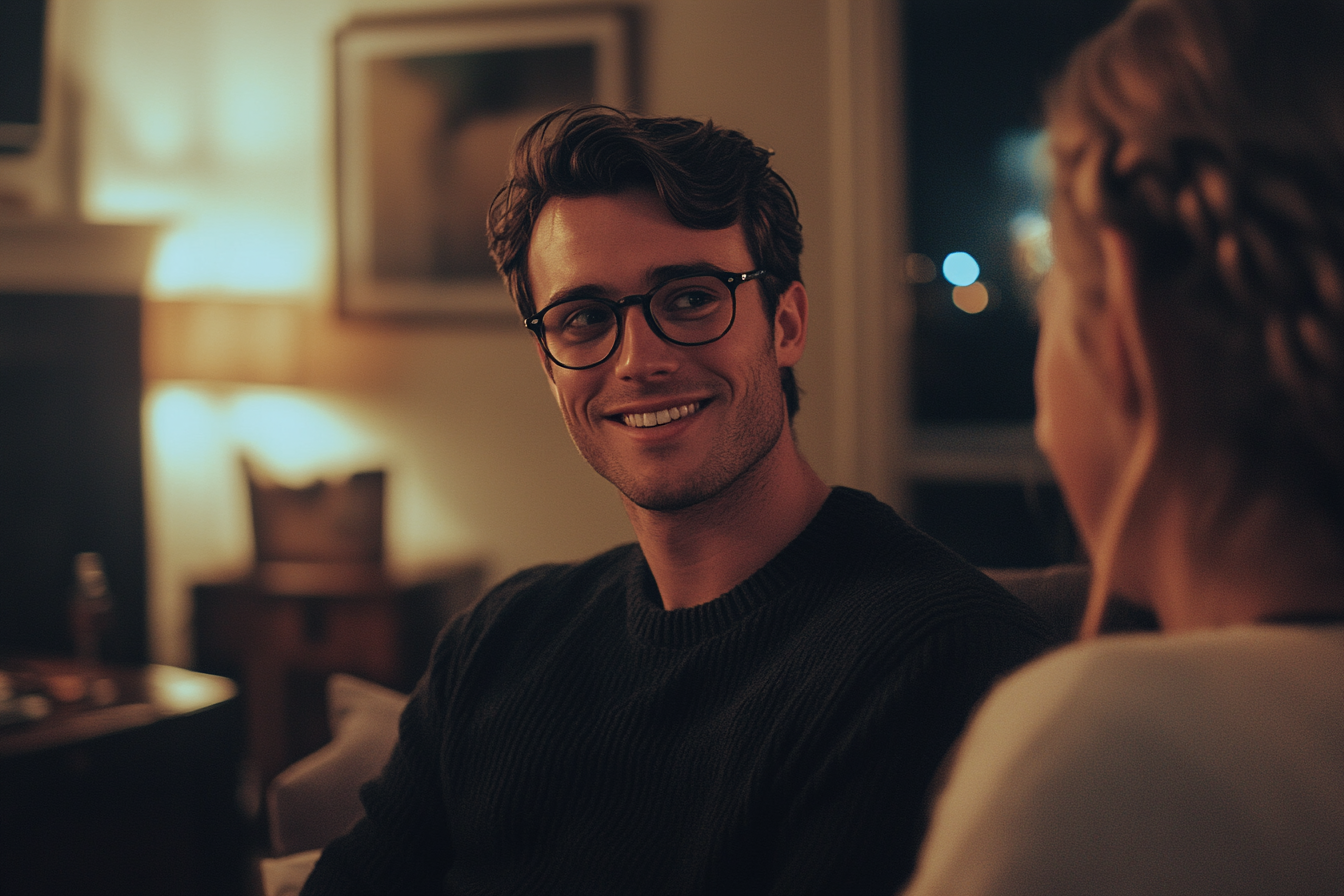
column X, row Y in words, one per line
column 572, row 736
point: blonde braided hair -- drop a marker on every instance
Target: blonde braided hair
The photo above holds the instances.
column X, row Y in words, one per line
column 1211, row 134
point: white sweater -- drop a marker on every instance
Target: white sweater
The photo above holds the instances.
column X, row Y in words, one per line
column 1210, row 762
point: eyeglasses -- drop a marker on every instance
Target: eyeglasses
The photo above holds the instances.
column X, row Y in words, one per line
column 583, row 332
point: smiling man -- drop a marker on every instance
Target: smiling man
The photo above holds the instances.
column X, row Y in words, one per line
column 755, row 696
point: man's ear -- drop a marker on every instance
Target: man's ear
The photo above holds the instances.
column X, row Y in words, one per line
column 547, row 367
column 545, row 361
column 791, row 325
column 1124, row 353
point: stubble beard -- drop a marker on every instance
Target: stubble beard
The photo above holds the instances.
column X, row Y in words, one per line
column 726, row 472
column 750, row 437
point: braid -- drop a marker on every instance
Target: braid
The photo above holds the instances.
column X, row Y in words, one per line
column 1236, row 213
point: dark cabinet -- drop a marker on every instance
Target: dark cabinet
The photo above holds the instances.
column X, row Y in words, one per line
column 71, row 477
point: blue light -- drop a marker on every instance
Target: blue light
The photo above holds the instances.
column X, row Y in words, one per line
column 961, row 269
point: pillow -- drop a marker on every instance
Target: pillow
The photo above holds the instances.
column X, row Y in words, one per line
column 316, row 799
column 1059, row 594
column 286, row 876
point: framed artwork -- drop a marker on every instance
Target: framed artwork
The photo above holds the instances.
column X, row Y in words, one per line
column 428, row 108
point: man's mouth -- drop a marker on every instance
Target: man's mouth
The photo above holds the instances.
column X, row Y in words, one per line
column 658, row 418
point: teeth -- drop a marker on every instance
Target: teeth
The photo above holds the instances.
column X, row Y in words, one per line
column 658, row 418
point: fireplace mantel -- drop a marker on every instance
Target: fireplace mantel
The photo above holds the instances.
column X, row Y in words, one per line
column 62, row 257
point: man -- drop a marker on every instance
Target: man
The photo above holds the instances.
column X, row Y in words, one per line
column 754, row 697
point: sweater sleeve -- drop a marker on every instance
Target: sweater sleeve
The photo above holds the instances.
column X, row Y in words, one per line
column 401, row 845
column 858, row 819
column 989, row 821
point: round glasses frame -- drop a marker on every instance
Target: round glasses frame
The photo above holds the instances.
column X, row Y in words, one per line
column 732, row 281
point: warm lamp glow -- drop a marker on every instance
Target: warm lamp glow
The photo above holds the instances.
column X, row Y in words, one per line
column 296, row 436
column 203, row 120
column 200, row 529
column 235, row 256
column 176, row 690
column 182, row 424
column 135, row 198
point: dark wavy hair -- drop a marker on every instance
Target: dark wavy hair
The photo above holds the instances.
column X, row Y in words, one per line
column 1211, row 134
column 708, row 177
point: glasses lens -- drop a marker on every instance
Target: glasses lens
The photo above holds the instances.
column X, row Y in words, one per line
column 579, row 332
column 693, row 310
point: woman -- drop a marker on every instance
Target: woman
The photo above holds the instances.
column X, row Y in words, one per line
column 1190, row 384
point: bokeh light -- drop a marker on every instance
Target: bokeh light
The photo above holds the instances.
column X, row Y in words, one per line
column 961, row 269
column 1032, row 250
column 919, row 268
column 971, row 298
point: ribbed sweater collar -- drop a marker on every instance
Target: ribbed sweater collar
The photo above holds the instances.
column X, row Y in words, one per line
column 798, row 561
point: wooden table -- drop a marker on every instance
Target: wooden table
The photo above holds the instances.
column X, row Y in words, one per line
column 136, row 696
column 127, row 786
column 282, row 632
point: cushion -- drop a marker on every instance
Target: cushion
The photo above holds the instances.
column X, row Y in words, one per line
column 286, row 876
column 317, row 798
column 1059, row 594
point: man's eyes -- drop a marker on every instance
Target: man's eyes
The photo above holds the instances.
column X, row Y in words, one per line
column 586, row 316
column 689, row 299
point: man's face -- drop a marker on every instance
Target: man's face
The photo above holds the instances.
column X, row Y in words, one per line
column 716, row 409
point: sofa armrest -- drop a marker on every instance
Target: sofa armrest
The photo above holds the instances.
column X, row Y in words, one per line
column 1059, row 595
column 316, row 799
column 286, row 875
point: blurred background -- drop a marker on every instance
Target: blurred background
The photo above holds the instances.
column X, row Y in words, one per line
column 171, row 314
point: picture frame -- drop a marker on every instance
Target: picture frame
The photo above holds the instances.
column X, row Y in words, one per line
column 428, row 108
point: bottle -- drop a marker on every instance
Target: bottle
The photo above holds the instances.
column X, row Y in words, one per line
column 90, row 607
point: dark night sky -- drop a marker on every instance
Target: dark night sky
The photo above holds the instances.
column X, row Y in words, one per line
column 974, row 74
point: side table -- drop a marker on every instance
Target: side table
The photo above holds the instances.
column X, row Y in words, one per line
column 126, row 787
column 284, row 630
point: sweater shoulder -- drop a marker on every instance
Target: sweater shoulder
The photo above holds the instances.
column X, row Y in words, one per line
column 551, row 587
column 537, row 600
column 891, row 567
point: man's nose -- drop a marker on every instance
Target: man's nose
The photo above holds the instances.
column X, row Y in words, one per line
column 642, row 352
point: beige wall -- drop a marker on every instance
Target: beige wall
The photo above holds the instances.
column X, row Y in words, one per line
column 480, row 461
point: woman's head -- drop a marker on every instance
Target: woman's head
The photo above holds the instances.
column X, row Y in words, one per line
column 1209, row 135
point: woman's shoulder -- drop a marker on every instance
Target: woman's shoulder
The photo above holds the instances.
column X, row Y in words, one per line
column 1144, row 687
column 1294, row 657
column 1122, row 747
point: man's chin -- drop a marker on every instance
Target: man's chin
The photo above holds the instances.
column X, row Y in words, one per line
column 704, row 490
column 701, row 484
column 667, row 500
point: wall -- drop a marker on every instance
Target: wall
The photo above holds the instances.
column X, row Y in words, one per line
column 214, row 117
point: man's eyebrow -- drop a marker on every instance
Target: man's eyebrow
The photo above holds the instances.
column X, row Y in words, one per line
column 653, row 278
column 672, row 271
column 584, row 291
